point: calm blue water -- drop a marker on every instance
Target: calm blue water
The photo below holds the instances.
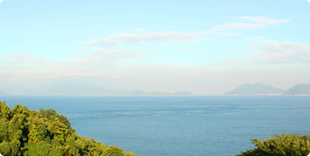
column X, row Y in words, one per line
column 170, row 126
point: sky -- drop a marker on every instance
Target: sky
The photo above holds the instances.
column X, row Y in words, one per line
column 206, row 47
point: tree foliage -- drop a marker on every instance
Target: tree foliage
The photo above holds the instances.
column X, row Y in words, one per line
column 45, row 133
column 280, row 145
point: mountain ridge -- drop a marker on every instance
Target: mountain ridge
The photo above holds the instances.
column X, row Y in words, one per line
column 74, row 88
column 255, row 89
column 298, row 90
column 2, row 93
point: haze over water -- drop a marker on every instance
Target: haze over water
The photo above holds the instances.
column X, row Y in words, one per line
column 195, row 125
column 206, row 47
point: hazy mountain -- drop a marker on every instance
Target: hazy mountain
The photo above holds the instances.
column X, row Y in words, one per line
column 184, row 93
column 156, row 93
column 299, row 89
column 2, row 93
column 73, row 89
column 119, row 92
column 90, row 89
column 80, row 88
column 137, row 92
column 254, row 89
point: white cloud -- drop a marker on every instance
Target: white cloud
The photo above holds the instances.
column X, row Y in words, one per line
column 105, row 60
column 186, row 49
column 159, row 68
column 24, row 71
column 232, row 51
column 240, row 25
column 4, row 70
column 102, row 61
column 205, row 52
column 308, row 1
column 184, row 42
column 17, row 59
column 1, row 1
column 235, row 61
column 91, row 75
column 168, row 37
column 139, row 39
column 112, row 54
column 282, row 53
column 264, row 20
column 235, row 52
column 171, row 37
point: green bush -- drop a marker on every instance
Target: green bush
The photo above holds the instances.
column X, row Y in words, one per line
column 284, row 145
column 45, row 133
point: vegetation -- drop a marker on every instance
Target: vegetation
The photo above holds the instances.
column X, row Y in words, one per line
column 45, row 133
column 284, row 145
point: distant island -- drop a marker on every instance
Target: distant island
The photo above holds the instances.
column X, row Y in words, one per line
column 2, row 93
column 263, row 89
column 255, row 89
column 298, row 90
column 93, row 89
column 74, row 88
column 154, row 93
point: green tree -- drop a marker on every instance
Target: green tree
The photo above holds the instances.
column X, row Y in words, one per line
column 45, row 133
column 280, row 145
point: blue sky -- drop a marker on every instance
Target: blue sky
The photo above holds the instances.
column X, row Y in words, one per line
column 202, row 46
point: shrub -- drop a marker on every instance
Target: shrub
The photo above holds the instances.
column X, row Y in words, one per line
column 284, row 145
column 45, row 133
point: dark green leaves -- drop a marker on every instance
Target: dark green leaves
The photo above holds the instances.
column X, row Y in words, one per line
column 45, row 133
column 284, row 145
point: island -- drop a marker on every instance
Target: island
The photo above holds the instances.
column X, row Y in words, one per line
column 2, row 93
column 255, row 89
column 156, row 93
column 73, row 88
column 298, row 90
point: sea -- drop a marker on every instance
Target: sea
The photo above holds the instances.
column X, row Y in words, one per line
column 177, row 125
